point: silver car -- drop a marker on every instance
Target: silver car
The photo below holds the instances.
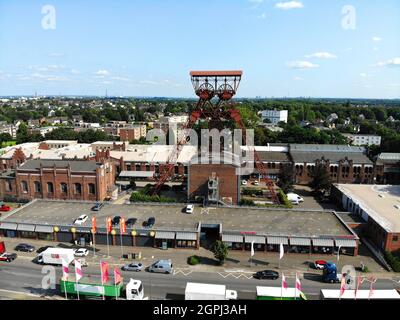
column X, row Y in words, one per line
column 161, row 266
column 134, row 266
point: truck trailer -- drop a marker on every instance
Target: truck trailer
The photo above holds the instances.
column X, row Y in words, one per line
column 275, row 293
column 55, row 256
column 205, row 291
column 332, row 294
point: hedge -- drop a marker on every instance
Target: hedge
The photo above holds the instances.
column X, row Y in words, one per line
column 393, row 258
column 140, row 197
column 193, row 260
column 284, row 200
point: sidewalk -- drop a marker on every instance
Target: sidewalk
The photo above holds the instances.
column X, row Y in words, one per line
column 237, row 261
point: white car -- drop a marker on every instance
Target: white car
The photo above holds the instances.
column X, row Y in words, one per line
column 256, row 183
column 244, row 182
column 190, row 208
column 81, row 252
column 81, row 219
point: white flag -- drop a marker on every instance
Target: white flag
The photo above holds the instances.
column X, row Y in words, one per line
column 281, row 251
column 252, row 248
column 64, row 269
column 78, row 270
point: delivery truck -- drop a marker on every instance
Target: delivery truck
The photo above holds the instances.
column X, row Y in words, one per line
column 55, row 256
column 91, row 286
column 205, row 291
column 276, row 293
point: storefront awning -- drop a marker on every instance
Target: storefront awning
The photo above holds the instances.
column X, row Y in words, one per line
column 165, row 235
column 186, row 236
column 256, row 239
column 232, row 238
column 322, row 242
column 277, row 240
column 8, row 225
column 26, row 227
column 300, row 242
column 350, row 243
column 44, row 229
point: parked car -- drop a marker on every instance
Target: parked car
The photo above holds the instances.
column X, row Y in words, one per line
column 134, row 266
column 161, row 266
column 116, row 220
column 41, row 249
column 150, row 222
column 190, row 208
column 81, row 252
column 8, row 257
column 319, row 264
column 98, row 206
column 24, row 247
column 81, row 219
column 266, row 274
column 5, row 208
column 294, row 198
column 130, row 222
column 244, row 182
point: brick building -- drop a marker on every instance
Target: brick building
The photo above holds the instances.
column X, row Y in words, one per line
column 133, row 132
column 59, row 179
column 387, row 168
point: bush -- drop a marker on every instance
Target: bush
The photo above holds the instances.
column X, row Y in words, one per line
column 393, row 258
column 284, row 200
column 247, row 202
column 193, row 260
column 140, row 197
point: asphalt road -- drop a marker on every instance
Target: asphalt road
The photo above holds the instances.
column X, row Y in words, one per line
column 24, row 277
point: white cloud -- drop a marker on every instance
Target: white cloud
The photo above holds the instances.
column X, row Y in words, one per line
column 148, row 82
column 289, row 5
column 376, row 48
column 395, row 62
column 376, row 39
column 56, row 54
column 74, row 71
column 120, row 78
column 321, row 55
column 102, row 73
column 364, row 75
column 301, row 65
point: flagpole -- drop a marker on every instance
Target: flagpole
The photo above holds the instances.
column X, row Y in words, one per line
column 295, row 288
column 65, row 289
column 102, row 283
column 94, row 244
column 108, row 247
column 122, row 249
column 77, row 290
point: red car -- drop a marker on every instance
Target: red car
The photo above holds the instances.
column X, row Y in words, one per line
column 5, row 208
column 319, row 264
column 8, row 257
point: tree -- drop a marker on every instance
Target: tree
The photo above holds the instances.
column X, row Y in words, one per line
column 220, row 250
column 285, row 181
column 321, row 181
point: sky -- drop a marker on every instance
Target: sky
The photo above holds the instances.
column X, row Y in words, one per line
column 308, row 48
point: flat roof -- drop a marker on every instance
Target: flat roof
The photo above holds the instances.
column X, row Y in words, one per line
column 378, row 201
column 172, row 217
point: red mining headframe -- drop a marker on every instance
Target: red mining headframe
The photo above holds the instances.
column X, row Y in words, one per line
column 214, row 89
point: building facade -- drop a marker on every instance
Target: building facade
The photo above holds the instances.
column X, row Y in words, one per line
column 274, row 116
column 363, row 139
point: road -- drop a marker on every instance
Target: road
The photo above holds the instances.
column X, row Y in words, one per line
column 24, row 277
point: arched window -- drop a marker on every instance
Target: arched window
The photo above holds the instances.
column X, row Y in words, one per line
column 78, row 188
column 50, row 187
column 92, row 188
column 24, row 186
column 38, row 186
column 64, row 187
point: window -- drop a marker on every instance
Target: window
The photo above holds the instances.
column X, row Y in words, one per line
column 92, row 188
column 8, row 185
column 128, row 167
column 64, row 187
column 137, row 167
column 38, row 187
column 395, row 238
column 24, row 186
column 78, row 188
column 50, row 187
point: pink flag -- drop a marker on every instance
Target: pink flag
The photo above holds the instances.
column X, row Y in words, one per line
column 284, row 284
column 104, row 272
column 117, row 276
column 359, row 282
column 298, row 283
column 342, row 285
column 65, row 269
column 371, row 289
column 78, row 270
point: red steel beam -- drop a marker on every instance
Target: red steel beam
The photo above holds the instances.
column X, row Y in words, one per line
column 229, row 73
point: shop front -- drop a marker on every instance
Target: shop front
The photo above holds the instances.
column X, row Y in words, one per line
column 259, row 242
column 186, row 240
column 26, row 231
column 346, row 246
column 300, row 245
column 322, row 246
column 8, row 229
column 274, row 242
column 164, row 239
column 233, row 241
column 45, row 232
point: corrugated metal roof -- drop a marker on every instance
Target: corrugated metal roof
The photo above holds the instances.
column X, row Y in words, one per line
column 333, row 157
column 326, row 147
column 232, row 238
column 186, row 236
column 165, row 235
column 8, row 225
column 300, row 241
column 256, row 239
column 277, row 240
column 25, row 227
column 322, row 242
column 76, row 165
column 346, row 243
column 45, row 229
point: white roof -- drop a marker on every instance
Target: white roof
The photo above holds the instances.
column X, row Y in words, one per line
column 361, row 294
column 59, row 250
column 276, row 292
column 378, row 201
column 28, row 148
column 205, row 288
column 267, row 148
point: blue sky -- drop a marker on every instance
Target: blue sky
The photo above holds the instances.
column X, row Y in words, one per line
column 147, row 47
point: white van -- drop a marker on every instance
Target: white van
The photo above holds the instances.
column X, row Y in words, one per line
column 294, row 198
column 161, row 266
